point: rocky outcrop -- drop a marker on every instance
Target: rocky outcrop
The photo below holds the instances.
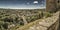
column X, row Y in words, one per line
column 50, row 23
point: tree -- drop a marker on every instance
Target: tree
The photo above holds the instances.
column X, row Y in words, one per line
column 5, row 25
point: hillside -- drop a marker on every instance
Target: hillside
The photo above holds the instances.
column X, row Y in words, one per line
column 17, row 18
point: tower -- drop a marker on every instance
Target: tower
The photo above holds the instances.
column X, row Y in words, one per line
column 58, row 4
column 51, row 5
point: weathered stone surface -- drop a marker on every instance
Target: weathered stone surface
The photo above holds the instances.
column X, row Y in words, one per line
column 51, row 5
column 50, row 23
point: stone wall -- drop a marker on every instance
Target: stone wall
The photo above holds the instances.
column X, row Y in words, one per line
column 58, row 4
column 51, row 5
column 50, row 23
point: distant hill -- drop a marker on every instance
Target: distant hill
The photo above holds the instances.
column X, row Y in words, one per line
column 22, row 9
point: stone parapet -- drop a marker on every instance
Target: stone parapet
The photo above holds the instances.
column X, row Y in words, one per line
column 50, row 23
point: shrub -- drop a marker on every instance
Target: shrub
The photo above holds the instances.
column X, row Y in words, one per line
column 48, row 14
column 5, row 25
column 8, row 20
column 0, row 16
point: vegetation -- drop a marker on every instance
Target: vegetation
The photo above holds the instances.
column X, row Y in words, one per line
column 10, row 18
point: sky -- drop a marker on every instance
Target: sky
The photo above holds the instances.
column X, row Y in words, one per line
column 23, row 4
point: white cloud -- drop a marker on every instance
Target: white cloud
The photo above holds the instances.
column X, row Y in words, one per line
column 35, row 2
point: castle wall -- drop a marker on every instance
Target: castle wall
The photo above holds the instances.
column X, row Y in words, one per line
column 51, row 5
column 50, row 23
